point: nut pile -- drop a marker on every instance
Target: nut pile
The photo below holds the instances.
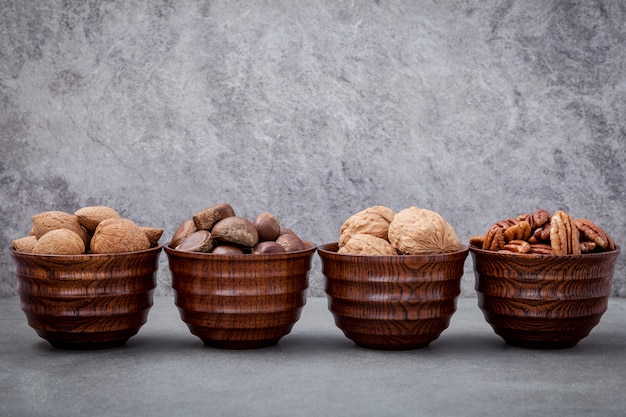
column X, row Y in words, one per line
column 543, row 233
column 94, row 229
column 218, row 230
column 378, row 230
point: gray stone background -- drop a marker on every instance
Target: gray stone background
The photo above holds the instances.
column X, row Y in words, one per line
column 313, row 110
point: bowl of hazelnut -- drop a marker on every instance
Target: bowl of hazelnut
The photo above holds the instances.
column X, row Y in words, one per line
column 86, row 280
column 393, row 279
column 238, row 283
column 543, row 279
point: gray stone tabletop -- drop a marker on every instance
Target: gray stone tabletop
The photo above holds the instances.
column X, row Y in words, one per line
column 314, row 371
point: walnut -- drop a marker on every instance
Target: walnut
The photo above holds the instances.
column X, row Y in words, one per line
column 117, row 235
column 364, row 244
column 416, row 231
column 363, row 222
column 59, row 242
column 385, row 212
column 89, row 217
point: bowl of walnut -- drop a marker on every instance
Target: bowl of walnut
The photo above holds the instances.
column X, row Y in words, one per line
column 393, row 279
column 543, row 279
column 239, row 284
column 86, row 280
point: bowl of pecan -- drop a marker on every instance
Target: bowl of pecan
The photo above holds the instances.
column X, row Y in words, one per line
column 238, row 283
column 543, row 279
column 392, row 279
column 86, row 279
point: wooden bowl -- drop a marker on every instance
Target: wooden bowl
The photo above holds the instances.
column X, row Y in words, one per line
column 86, row 301
column 392, row 302
column 543, row 301
column 241, row 301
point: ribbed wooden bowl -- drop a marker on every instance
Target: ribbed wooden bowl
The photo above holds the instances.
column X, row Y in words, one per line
column 392, row 302
column 86, row 301
column 543, row 301
column 240, row 301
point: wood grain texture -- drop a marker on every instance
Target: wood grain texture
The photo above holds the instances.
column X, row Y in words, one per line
column 86, row 301
column 392, row 302
column 543, row 301
column 240, row 301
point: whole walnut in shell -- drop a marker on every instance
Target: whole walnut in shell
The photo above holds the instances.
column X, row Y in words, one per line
column 368, row 221
column 362, row 244
column 417, row 231
column 116, row 235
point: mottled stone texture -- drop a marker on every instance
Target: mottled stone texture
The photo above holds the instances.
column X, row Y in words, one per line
column 479, row 110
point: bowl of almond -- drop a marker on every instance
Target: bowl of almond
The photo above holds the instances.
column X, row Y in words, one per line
column 543, row 279
column 86, row 279
column 393, row 279
column 238, row 283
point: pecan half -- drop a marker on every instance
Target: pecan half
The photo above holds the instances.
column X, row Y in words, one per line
column 594, row 233
column 564, row 236
column 518, row 246
column 494, row 240
column 587, row 246
column 541, row 248
column 519, row 231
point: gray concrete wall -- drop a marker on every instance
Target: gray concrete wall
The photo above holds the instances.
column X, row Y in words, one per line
column 312, row 110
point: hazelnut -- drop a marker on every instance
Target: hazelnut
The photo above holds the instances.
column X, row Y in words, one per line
column 267, row 226
column 185, row 229
column 237, row 230
column 199, row 241
column 290, row 242
column 268, row 246
column 227, row 250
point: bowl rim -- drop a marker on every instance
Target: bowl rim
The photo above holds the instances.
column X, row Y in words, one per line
column 310, row 247
column 507, row 255
column 82, row 256
column 324, row 249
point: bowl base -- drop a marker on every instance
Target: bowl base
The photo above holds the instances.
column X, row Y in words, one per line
column 530, row 344
column 88, row 346
column 82, row 341
column 240, row 344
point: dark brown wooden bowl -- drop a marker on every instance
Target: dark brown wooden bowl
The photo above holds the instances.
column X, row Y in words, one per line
column 392, row 302
column 244, row 301
column 86, row 301
column 543, row 301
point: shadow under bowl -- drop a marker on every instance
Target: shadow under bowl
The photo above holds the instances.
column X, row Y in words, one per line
column 543, row 301
column 392, row 302
column 90, row 301
column 243, row 301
